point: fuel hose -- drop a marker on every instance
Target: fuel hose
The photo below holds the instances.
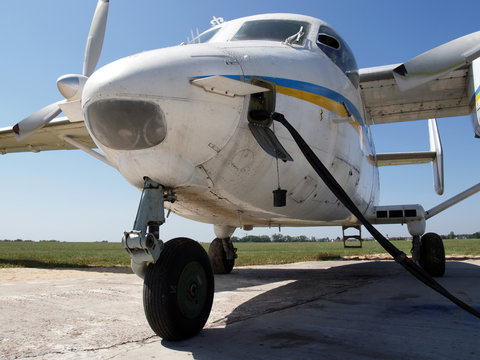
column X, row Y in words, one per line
column 398, row 255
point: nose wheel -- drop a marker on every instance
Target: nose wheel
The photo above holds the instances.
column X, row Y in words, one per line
column 178, row 290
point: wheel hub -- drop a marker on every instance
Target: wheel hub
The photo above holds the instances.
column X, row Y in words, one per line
column 192, row 290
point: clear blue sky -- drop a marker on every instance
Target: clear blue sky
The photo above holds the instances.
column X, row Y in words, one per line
column 67, row 195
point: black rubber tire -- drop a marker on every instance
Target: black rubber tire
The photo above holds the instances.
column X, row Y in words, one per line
column 432, row 254
column 218, row 258
column 178, row 290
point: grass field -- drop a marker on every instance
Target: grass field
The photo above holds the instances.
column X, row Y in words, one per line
column 70, row 255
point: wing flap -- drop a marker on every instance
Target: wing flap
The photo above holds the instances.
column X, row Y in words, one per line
column 47, row 138
column 385, row 103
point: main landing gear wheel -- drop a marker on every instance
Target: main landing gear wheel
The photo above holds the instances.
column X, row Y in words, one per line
column 178, row 290
column 218, row 256
column 432, row 255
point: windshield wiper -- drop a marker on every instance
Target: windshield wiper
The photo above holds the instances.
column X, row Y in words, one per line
column 295, row 38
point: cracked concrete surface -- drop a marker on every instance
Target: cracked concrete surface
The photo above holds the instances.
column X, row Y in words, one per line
column 314, row 310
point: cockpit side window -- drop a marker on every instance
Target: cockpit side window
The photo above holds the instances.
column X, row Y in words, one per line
column 205, row 36
column 338, row 51
column 328, row 40
column 272, row 29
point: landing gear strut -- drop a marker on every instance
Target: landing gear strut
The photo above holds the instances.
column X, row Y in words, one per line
column 178, row 279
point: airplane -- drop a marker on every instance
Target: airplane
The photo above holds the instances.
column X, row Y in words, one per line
column 257, row 122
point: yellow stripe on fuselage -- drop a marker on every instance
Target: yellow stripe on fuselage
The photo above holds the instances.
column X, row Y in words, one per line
column 321, row 101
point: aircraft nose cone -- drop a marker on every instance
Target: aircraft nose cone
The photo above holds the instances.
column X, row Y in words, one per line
column 123, row 124
column 148, row 101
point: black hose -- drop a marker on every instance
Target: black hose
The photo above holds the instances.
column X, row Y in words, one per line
column 338, row 191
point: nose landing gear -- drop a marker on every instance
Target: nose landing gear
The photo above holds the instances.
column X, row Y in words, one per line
column 178, row 282
column 178, row 290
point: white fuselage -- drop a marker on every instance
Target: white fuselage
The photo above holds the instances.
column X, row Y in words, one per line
column 198, row 143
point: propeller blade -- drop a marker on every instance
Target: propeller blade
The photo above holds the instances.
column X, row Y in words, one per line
column 36, row 121
column 438, row 61
column 95, row 38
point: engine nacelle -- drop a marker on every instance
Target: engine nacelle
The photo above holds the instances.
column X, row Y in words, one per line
column 475, row 96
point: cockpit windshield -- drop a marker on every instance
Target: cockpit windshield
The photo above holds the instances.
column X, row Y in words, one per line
column 273, row 29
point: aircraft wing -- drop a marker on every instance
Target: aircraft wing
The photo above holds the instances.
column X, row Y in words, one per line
column 444, row 96
column 50, row 137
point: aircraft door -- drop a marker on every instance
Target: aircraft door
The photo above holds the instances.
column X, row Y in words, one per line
column 265, row 137
column 264, row 100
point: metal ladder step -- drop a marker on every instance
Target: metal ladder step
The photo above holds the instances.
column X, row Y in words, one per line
column 355, row 238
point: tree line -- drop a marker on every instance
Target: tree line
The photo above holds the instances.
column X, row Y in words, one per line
column 452, row 235
column 278, row 238
column 302, row 238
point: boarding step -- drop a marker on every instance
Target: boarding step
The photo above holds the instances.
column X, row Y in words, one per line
column 352, row 240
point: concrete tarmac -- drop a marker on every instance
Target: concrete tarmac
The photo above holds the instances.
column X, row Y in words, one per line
column 314, row 310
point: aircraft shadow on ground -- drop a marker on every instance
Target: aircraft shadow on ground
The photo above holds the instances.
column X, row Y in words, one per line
column 304, row 287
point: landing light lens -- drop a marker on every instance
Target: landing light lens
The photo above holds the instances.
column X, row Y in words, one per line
column 126, row 124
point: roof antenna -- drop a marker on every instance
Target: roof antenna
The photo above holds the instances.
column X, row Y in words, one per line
column 216, row 21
